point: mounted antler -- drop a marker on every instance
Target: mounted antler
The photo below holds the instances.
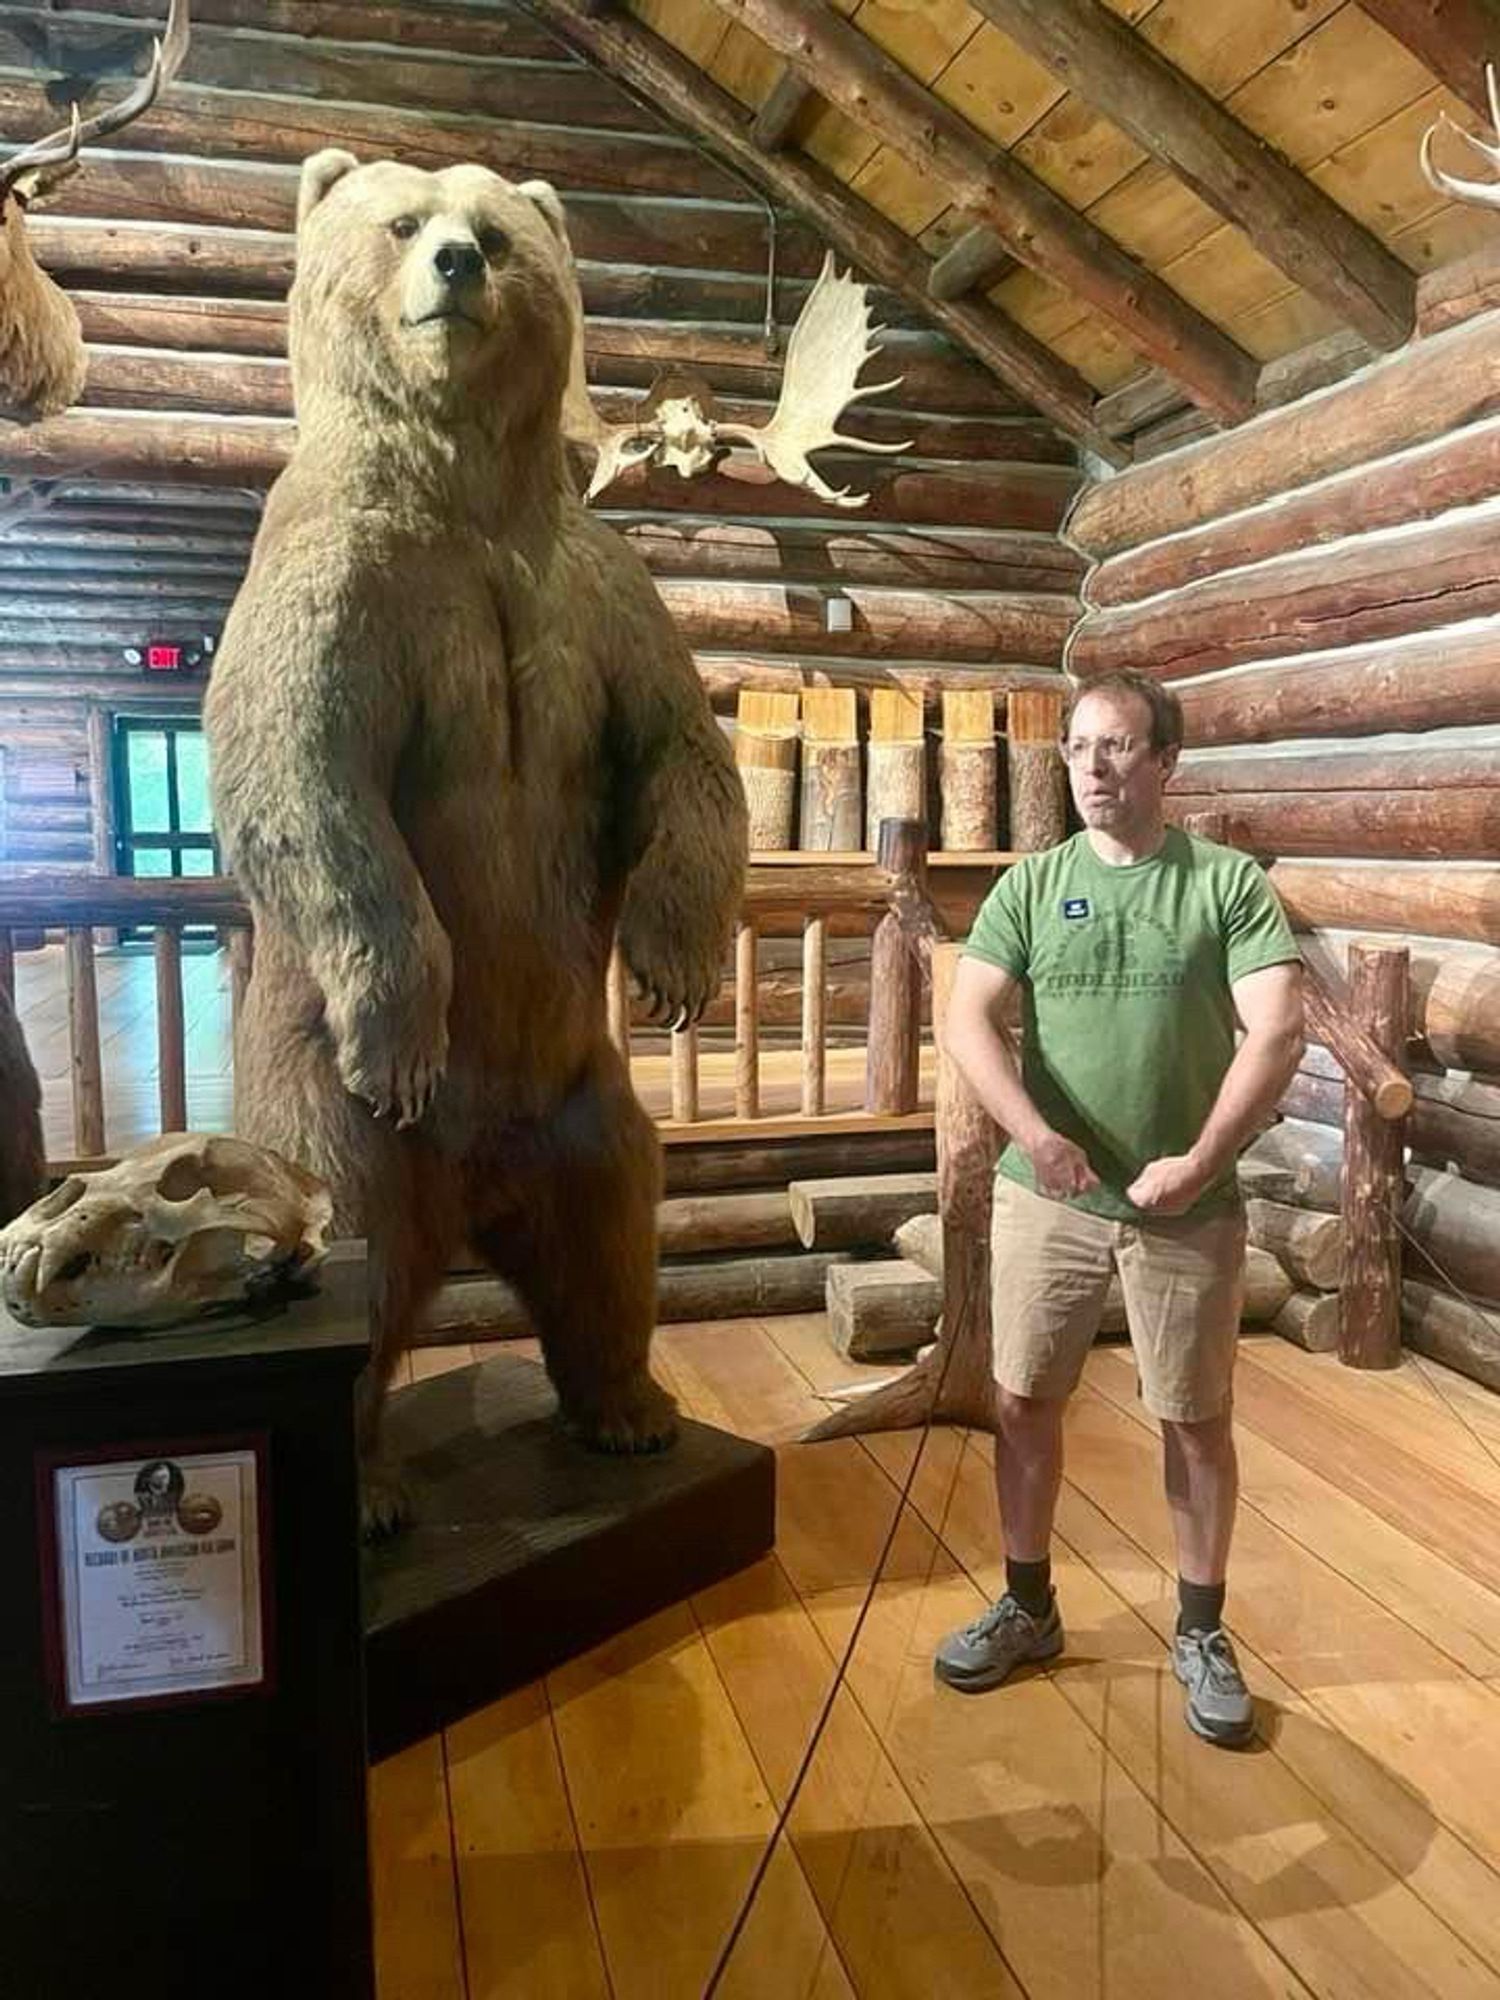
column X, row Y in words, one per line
column 42, row 359
column 1486, row 193
column 830, row 344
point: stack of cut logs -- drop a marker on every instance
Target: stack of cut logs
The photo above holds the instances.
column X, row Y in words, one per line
column 812, row 785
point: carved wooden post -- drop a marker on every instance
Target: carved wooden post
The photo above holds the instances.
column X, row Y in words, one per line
column 832, row 820
column 893, row 1052
column 171, row 1053
column 968, row 1145
column 967, row 767
column 1038, row 776
column 765, row 749
column 1370, row 1298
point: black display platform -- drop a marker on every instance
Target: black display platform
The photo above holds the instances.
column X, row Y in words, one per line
column 217, row 1846
column 525, row 1548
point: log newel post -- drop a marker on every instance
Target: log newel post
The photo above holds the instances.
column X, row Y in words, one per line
column 1370, row 1296
column 893, row 1052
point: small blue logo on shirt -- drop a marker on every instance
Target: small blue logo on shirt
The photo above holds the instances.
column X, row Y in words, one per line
column 1075, row 906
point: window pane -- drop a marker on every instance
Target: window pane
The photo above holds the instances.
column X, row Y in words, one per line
column 197, row 861
column 192, row 782
column 151, row 861
column 146, row 766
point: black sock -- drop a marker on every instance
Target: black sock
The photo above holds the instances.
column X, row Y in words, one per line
column 1200, row 1606
column 1030, row 1584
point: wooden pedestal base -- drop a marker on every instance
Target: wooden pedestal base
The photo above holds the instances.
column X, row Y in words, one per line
column 525, row 1549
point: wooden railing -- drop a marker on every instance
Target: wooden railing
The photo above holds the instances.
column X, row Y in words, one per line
column 814, row 897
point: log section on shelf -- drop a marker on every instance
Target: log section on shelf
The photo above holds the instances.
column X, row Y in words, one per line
column 1460, row 1335
column 890, row 1307
column 838, row 1214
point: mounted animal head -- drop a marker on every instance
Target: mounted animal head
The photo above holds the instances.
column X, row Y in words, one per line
column 1485, row 193
column 42, row 359
column 676, row 425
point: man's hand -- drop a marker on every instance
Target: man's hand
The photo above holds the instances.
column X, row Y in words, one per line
column 1169, row 1186
column 1061, row 1168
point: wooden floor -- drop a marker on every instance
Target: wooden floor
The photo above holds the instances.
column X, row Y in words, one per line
column 126, row 981
column 1063, row 1838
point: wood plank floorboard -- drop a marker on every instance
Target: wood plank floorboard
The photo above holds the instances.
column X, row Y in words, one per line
column 1063, row 1839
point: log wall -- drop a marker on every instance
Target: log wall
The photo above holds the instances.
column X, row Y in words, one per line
column 1320, row 588
column 131, row 516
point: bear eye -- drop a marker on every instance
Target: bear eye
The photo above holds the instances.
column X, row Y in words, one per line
column 405, row 226
column 492, row 241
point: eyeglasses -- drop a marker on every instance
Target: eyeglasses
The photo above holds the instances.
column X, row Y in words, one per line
column 1116, row 751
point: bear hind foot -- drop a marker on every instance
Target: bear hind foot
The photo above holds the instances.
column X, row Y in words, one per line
column 636, row 1416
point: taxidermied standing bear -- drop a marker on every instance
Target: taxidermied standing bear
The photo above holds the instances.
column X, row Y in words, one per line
column 456, row 743
column 23, row 1158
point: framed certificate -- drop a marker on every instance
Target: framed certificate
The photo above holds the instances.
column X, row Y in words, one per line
column 155, row 1572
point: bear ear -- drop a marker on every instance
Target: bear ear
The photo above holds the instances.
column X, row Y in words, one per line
column 545, row 197
column 320, row 172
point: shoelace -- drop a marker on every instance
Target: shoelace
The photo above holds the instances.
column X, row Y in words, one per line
column 1221, row 1669
column 988, row 1623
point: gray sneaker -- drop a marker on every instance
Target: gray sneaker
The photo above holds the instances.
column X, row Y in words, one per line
column 1219, row 1708
column 980, row 1655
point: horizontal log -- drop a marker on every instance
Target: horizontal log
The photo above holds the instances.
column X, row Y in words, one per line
column 1453, row 1233
column 801, row 552
column 1309, row 1246
column 1458, row 291
column 250, row 451
column 887, row 1308
column 258, row 126
column 91, row 569
column 1309, row 1156
column 1426, row 680
column 1444, row 902
column 886, row 624
column 692, row 1225
column 1397, row 581
column 1424, row 391
column 553, row 90
column 1461, row 824
column 920, row 1241
column 1455, row 993
column 854, row 1213
column 713, row 1288
column 1310, row 1320
column 1414, row 769
column 697, row 1166
column 460, row 29
column 1455, row 470
column 1460, row 1335
column 1438, row 1133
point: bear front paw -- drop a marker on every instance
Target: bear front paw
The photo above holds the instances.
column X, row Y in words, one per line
column 391, row 1056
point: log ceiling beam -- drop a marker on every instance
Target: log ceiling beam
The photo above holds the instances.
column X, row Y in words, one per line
column 789, row 97
column 1454, row 38
column 1293, row 224
column 975, row 262
column 1036, row 225
column 887, row 254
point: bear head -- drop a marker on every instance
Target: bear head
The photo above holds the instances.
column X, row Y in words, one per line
column 447, row 296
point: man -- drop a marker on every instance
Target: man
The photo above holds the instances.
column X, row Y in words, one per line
column 1135, row 947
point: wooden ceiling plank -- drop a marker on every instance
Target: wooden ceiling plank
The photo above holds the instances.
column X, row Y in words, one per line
column 893, row 259
column 1452, row 38
column 1289, row 220
column 1039, row 228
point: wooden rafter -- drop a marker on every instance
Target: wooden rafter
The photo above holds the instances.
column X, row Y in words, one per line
column 647, row 64
column 1454, row 38
column 1036, row 225
column 1293, row 224
column 774, row 121
column 977, row 260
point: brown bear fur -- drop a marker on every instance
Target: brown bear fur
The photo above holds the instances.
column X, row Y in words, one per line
column 455, row 740
column 23, row 1158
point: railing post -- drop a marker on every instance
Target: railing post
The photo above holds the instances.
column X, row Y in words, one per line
column 1370, row 1294
column 814, row 1016
column 746, row 1025
column 83, row 1042
column 685, row 1075
column 893, row 1053
column 171, row 1051
column 7, row 964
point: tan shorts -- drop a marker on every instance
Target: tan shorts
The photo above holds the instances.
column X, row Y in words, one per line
column 1183, row 1280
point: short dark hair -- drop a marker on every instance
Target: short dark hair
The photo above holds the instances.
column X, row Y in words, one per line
column 1162, row 705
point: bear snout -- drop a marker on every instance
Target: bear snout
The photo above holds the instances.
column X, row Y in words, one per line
column 458, row 264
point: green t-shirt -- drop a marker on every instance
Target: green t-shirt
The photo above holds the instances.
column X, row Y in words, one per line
column 1128, row 1018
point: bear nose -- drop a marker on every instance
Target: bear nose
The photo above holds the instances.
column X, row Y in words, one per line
column 458, row 263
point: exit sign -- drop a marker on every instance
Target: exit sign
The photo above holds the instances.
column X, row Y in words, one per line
column 164, row 659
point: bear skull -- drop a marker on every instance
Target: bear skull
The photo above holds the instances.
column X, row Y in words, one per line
column 186, row 1222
